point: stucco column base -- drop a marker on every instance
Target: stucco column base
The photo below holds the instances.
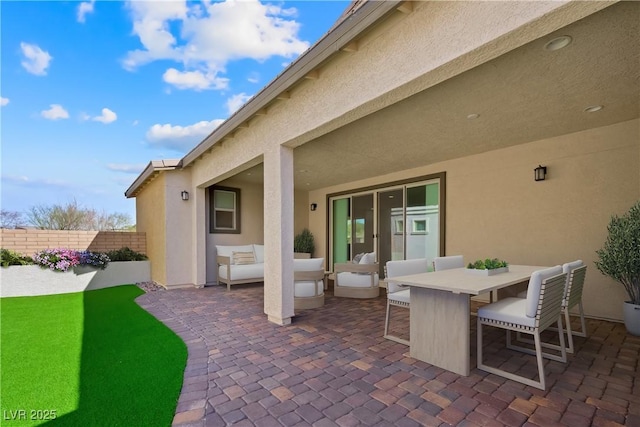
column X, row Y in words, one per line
column 279, row 321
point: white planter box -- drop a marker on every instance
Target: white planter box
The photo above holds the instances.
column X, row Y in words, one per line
column 487, row 272
column 31, row 280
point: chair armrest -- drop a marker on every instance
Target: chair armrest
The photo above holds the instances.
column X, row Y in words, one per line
column 366, row 269
column 355, row 268
column 312, row 276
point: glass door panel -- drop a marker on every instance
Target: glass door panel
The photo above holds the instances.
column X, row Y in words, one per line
column 361, row 224
column 390, row 227
column 341, row 235
column 422, row 222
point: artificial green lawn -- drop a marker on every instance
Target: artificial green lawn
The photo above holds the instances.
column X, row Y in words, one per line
column 95, row 358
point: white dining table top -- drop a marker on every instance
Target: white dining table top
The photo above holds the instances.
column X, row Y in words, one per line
column 461, row 281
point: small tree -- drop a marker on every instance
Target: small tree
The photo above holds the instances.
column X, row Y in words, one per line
column 11, row 219
column 74, row 217
column 57, row 217
column 107, row 221
column 304, row 242
column 620, row 256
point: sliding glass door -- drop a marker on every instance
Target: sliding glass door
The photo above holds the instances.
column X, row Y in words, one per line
column 397, row 222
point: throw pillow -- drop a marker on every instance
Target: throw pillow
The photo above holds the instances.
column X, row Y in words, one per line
column 241, row 258
column 357, row 258
column 368, row 258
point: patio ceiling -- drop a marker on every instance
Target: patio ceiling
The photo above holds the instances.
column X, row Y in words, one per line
column 523, row 96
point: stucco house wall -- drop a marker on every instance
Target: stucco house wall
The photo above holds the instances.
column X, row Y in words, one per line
column 179, row 229
column 150, row 219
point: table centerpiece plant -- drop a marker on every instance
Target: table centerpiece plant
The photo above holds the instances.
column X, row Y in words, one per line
column 488, row 266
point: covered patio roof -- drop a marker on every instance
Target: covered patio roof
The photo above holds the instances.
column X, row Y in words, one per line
column 527, row 94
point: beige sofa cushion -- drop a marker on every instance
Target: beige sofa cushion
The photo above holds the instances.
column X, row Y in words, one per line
column 228, row 251
column 242, row 258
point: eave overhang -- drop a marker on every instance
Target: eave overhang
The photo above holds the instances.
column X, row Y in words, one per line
column 149, row 173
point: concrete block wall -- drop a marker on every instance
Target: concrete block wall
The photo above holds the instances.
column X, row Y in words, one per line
column 29, row 241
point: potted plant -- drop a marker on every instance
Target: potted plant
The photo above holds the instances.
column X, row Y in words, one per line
column 620, row 260
column 488, row 267
column 303, row 243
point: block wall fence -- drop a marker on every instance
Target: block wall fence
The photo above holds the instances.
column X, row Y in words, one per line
column 29, row 241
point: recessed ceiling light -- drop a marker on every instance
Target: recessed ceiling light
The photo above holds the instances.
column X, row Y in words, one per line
column 558, row 43
column 249, row 173
column 302, row 171
column 593, row 108
column 473, row 116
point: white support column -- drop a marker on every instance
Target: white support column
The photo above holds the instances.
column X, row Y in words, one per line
column 199, row 237
column 278, row 234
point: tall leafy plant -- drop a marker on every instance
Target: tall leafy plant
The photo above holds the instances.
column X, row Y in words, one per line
column 304, row 242
column 620, row 256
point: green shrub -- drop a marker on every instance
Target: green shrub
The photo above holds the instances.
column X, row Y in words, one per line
column 304, row 242
column 126, row 254
column 487, row 264
column 8, row 257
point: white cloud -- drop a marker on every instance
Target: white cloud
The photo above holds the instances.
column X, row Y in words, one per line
column 126, row 167
column 55, row 112
column 253, row 77
column 106, row 117
column 178, row 137
column 3, row 101
column 204, row 37
column 36, row 61
column 196, row 80
column 83, row 9
column 237, row 101
column 24, row 181
column 135, row 123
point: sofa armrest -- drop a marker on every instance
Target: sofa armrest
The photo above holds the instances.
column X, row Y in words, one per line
column 365, row 269
column 224, row 260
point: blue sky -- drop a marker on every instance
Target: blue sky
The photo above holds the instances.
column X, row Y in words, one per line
column 93, row 91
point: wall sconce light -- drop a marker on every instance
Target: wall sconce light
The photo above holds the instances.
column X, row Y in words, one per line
column 314, row 206
column 184, row 195
column 540, row 173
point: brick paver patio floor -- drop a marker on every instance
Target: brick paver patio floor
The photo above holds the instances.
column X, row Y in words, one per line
column 331, row 367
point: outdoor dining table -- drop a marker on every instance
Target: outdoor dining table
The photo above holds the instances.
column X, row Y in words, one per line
column 440, row 311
